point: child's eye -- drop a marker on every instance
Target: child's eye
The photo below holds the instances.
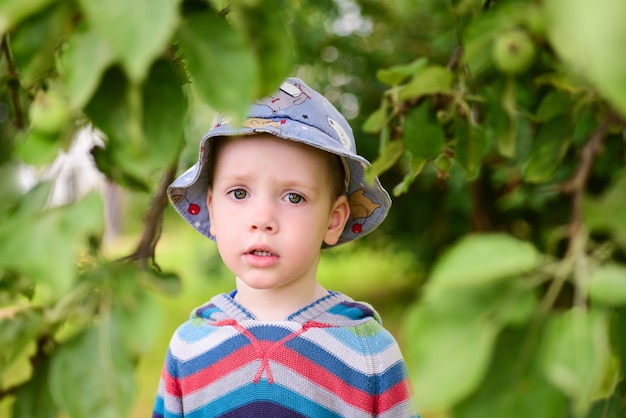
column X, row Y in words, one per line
column 239, row 194
column 294, row 198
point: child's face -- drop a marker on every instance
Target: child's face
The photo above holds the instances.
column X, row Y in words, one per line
column 271, row 208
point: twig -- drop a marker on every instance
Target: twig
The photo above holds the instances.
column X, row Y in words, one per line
column 14, row 84
column 455, row 58
column 11, row 390
column 225, row 11
column 576, row 184
column 153, row 223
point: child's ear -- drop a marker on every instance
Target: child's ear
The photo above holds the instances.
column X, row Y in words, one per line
column 209, row 205
column 338, row 217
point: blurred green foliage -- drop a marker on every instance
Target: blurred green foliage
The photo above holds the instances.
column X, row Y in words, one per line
column 498, row 125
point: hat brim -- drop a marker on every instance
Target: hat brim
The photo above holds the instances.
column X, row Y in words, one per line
column 369, row 202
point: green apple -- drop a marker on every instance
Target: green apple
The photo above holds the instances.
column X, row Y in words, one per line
column 513, row 52
column 49, row 112
column 443, row 162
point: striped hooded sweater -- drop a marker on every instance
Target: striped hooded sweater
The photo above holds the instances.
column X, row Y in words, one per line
column 333, row 358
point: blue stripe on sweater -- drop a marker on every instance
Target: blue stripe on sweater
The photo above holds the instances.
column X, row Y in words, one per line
column 194, row 330
column 181, row 369
column 371, row 384
column 375, row 384
column 262, row 394
column 383, row 340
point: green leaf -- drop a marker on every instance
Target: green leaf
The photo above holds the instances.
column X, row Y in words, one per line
column 510, row 302
column 31, row 244
column 448, row 355
column 390, row 155
column 610, row 407
column 471, row 147
column 38, row 149
column 607, row 284
column 586, row 123
column 617, row 325
column 81, row 81
column 223, row 69
column 507, row 141
column 269, row 37
column 606, row 213
column 137, row 31
column 123, row 158
column 595, row 51
column 108, row 108
column 33, row 201
column 376, row 120
column 483, row 30
column 416, row 166
column 13, row 12
column 555, row 103
column 163, row 130
column 498, row 123
column 513, row 387
column 33, row 400
column 515, row 304
column 549, row 148
column 35, row 40
column 10, row 189
column 444, row 369
column 422, row 133
column 576, row 354
column 168, row 283
column 131, row 156
column 397, row 74
column 478, row 259
column 98, row 362
column 18, row 332
column 138, row 322
column 431, row 80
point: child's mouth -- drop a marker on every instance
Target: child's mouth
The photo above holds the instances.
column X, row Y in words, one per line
column 260, row 253
column 262, row 257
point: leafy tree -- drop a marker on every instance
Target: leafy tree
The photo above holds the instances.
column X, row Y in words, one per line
column 499, row 126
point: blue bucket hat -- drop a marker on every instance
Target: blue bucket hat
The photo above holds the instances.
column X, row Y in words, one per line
column 297, row 113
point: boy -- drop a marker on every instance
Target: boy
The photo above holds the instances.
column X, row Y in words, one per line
column 272, row 192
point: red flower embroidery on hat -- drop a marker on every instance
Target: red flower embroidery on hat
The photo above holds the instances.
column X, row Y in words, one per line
column 357, row 228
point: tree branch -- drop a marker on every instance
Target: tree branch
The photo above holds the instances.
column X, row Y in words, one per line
column 153, row 222
column 225, row 11
column 11, row 390
column 455, row 58
column 14, row 84
column 577, row 183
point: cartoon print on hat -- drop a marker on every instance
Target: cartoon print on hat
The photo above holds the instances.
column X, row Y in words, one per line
column 289, row 94
column 361, row 207
column 345, row 139
column 297, row 113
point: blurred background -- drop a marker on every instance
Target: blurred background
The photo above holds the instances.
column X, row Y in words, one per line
column 497, row 126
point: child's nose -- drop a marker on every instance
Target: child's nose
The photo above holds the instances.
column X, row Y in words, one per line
column 264, row 218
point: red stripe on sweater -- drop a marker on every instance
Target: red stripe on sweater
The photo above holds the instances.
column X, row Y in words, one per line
column 266, row 351
column 400, row 392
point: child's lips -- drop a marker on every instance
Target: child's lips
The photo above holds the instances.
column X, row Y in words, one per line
column 261, row 253
column 261, row 256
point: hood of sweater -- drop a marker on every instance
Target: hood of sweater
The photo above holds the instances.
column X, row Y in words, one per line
column 333, row 310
